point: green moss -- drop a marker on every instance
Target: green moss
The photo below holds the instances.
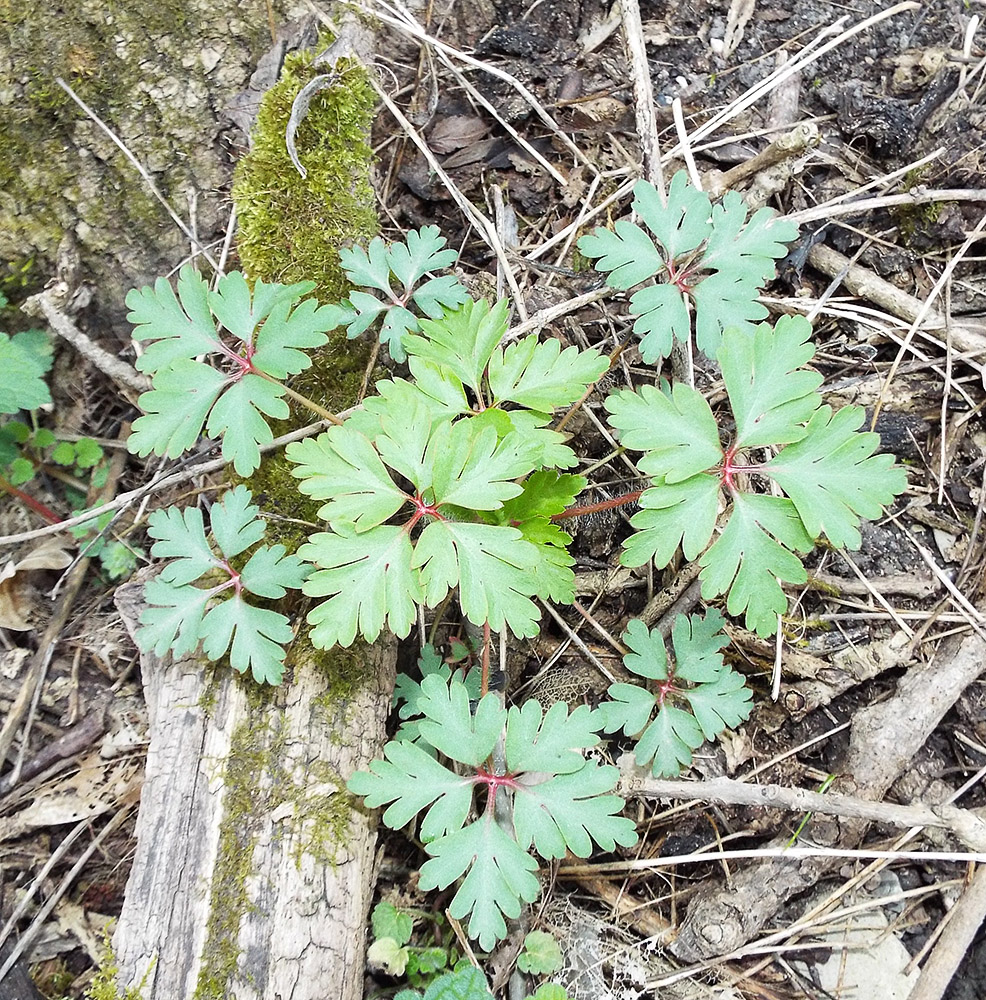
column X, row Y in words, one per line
column 104, row 985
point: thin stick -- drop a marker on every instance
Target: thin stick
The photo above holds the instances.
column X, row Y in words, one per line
column 139, row 167
column 643, row 93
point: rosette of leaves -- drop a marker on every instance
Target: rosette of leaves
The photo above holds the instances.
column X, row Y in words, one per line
column 379, row 266
column 560, row 800
column 250, row 343
column 695, row 694
column 711, row 257
column 217, row 614
column 823, row 463
column 429, row 487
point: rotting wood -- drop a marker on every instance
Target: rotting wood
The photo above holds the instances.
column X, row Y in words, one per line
column 251, row 877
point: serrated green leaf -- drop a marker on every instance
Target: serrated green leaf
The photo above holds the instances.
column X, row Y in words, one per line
column 181, row 537
column 87, row 453
column 541, row 955
column 668, row 742
column 411, row 781
column 175, row 409
column 724, row 301
column 370, row 267
column 683, row 514
column 369, row 582
column 235, row 522
column 438, row 294
column 270, row 572
column 238, row 417
column 771, row 395
column 282, row 342
column 343, row 467
column 22, row 369
column 753, row 552
column 678, row 433
column 629, row 708
column 462, row 341
column 570, row 812
column 833, row 478
column 750, row 247
column 662, row 317
column 680, row 225
column 499, row 877
column 548, row 448
column 181, row 327
column 63, row 453
column 541, row 376
column 173, row 619
column 452, row 728
column 241, row 312
column 628, row 254
column 422, row 252
column 257, row 636
column 697, row 643
column 551, row 744
column 20, row 471
column 491, row 566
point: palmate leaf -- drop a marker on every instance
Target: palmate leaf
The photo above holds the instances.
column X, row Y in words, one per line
column 561, row 801
column 408, row 262
column 408, row 694
column 833, row 478
column 712, row 254
column 177, row 617
column 272, row 333
column 696, row 695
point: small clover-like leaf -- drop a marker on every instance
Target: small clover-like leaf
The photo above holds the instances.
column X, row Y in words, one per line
column 389, row 922
column 541, row 955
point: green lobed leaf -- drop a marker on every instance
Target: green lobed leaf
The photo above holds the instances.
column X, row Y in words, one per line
column 543, row 495
column 750, row 557
column 22, row 369
column 680, row 225
column 412, row 781
column 462, row 341
column 235, row 522
column 541, row 376
column 452, row 728
column 270, row 572
column 257, row 636
column 771, row 394
column 833, row 478
column 282, row 343
column 662, row 317
column 173, row 619
column 677, row 432
column 569, row 812
column 180, row 535
column 175, row 409
column 422, row 252
column 238, row 417
column 369, row 582
column 463, row 984
column 550, row 744
column 499, row 876
column 343, row 467
column 683, row 514
column 491, row 566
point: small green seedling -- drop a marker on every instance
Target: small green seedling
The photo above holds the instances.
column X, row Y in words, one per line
column 541, row 954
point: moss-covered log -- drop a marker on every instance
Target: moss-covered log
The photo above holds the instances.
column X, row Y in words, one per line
column 253, row 872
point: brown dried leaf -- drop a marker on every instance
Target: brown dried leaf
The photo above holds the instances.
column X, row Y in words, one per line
column 456, row 132
column 18, row 600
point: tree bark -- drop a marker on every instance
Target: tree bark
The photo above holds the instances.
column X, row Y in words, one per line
column 251, row 877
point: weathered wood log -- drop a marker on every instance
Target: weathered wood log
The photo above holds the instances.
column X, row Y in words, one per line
column 252, row 872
